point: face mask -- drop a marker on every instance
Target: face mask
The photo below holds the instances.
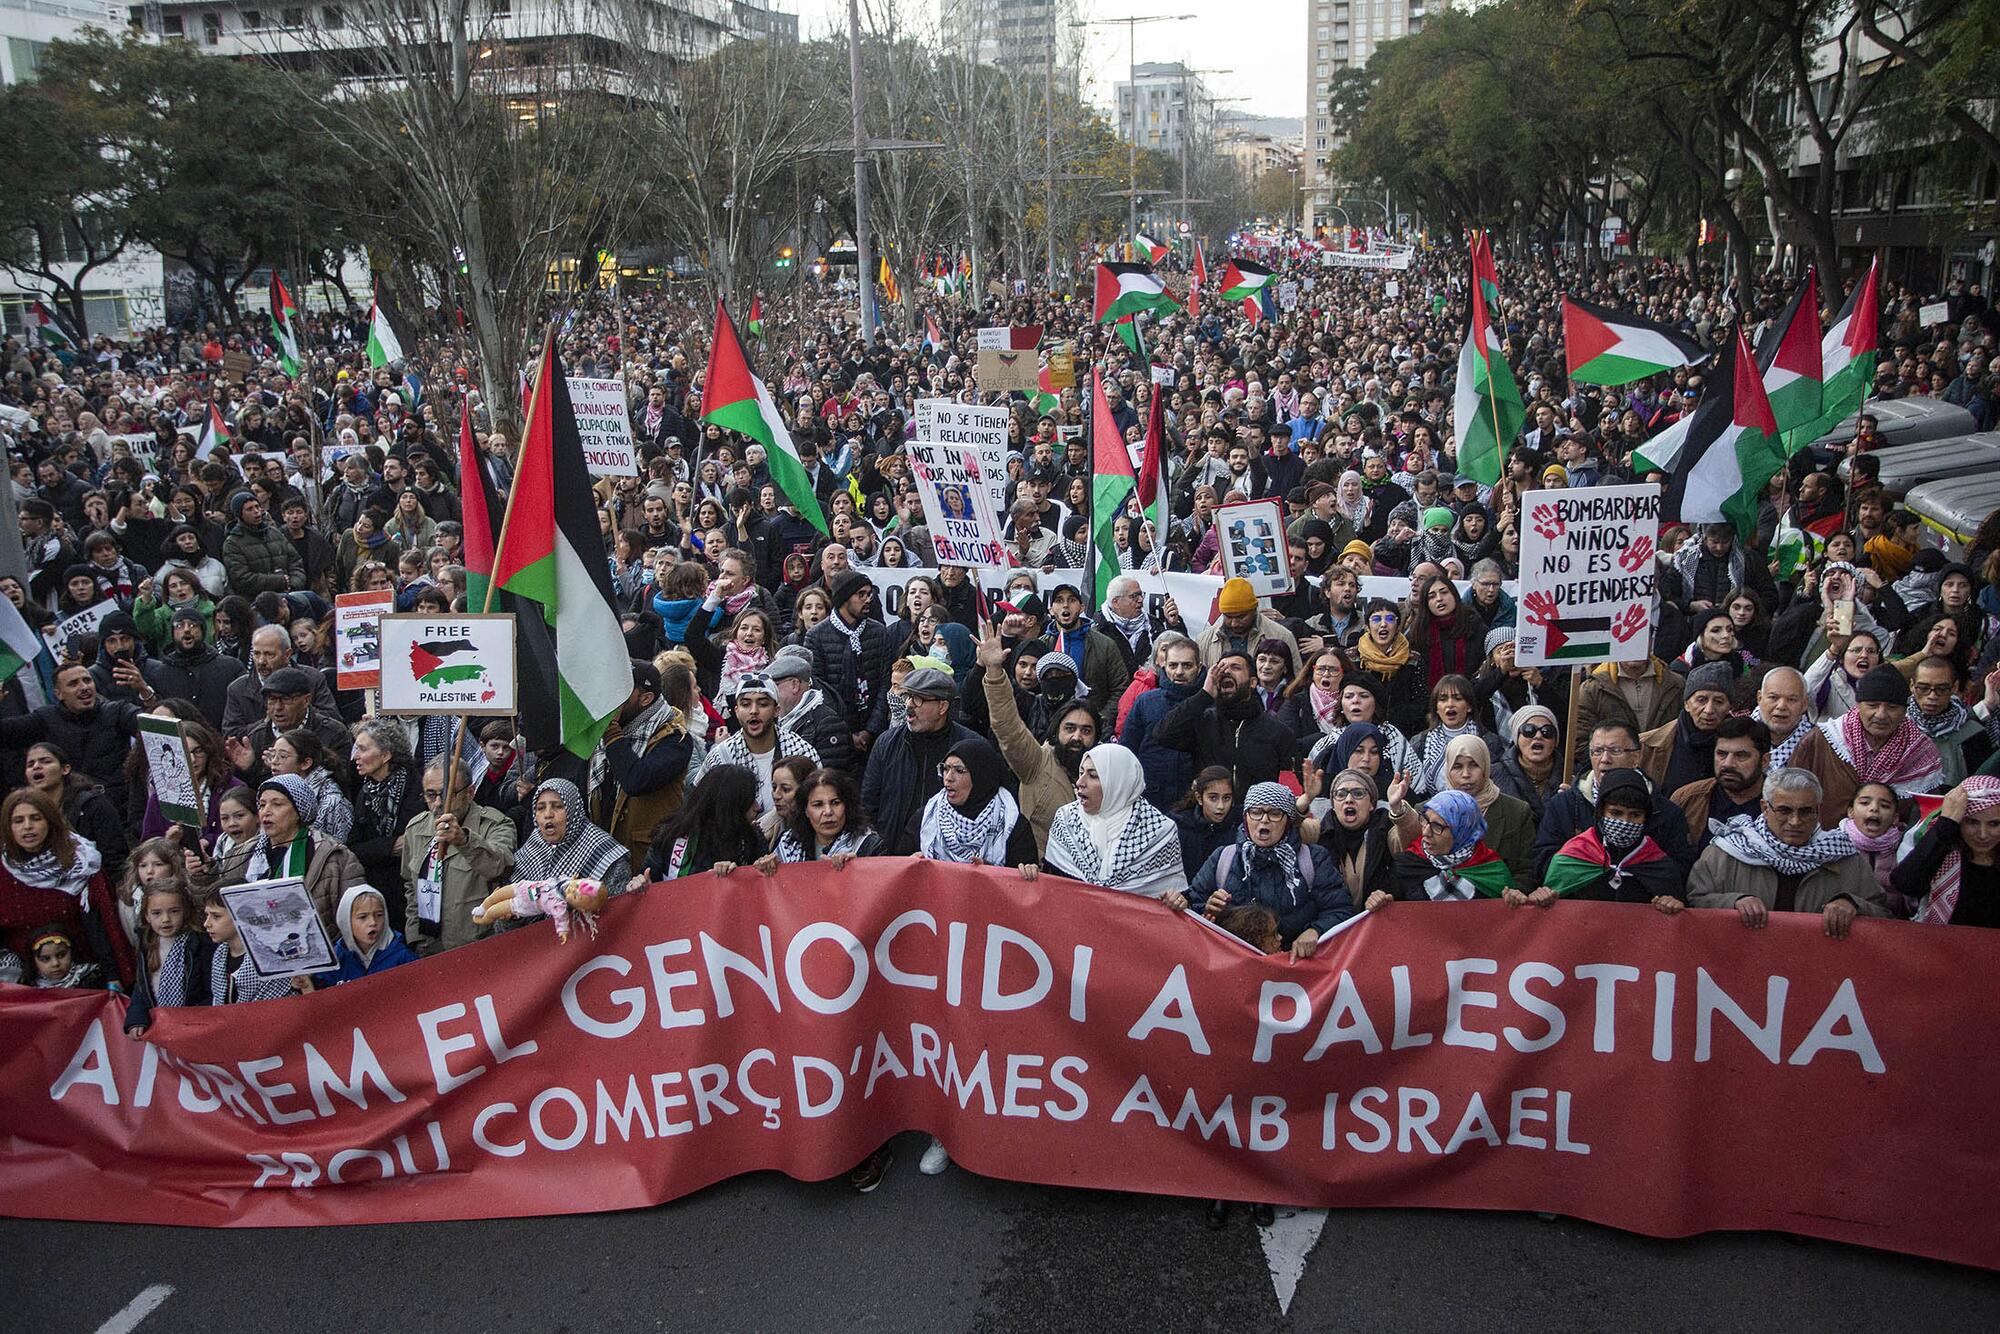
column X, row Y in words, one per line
column 1619, row 835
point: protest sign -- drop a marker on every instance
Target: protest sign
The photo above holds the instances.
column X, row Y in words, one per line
column 963, row 527
column 1472, row 1056
column 237, row 365
column 1006, row 358
column 1588, row 575
column 943, row 422
column 1253, row 545
column 168, row 769
column 79, row 624
column 357, row 637
column 1006, row 338
column 1936, row 313
column 281, row 929
column 1366, row 259
column 1062, row 367
column 1288, row 295
column 448, row 664
column 604, row 422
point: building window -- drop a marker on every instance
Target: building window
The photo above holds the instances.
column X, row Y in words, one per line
column 253, row 19
column 173, row 26
column 332, row 17
column 211, row 29
column 26, row 57
column 295, row 18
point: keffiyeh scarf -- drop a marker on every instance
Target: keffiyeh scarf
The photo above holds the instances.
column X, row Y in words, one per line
column 584, row 852
column 1909, row 762
column 43, row 871
column 1981, row 793
column 170, row 987
column 790, row 849
column 1749, row 840
column 1431, row 768
column 1781, row 751
column 949, row 835
column 1938, row 727
column 1146, row 859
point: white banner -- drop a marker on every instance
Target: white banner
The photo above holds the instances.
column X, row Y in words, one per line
column 1588, row 575
column 605, row 424
column 1366, row 259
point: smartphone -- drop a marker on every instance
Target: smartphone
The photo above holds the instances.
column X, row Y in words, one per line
column 1843, row 616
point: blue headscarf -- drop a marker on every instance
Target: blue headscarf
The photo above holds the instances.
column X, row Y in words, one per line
column 1351, row 736
column 1461, row 812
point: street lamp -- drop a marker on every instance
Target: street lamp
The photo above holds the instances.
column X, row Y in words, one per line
column 1131, row 82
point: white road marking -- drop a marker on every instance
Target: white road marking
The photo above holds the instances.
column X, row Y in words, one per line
column 136, row 1310
column 1287, row 1243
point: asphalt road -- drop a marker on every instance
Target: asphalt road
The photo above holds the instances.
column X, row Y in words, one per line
column 959, row 1253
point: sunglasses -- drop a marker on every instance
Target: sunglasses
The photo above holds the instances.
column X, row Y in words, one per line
column 1539, row 731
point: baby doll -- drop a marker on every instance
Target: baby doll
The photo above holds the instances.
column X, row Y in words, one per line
column 554, row 899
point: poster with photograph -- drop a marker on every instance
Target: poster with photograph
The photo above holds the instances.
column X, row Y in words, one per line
column 169, row 770
column 1253, row 545
column 963, row 526
column 448, row 664
column 940, row 421
column 357, row 637
column 280, row 927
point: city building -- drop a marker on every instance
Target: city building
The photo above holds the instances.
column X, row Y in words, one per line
column 128, row 293
column 1013, row 34
column 1258, row 144
column 1164, row 106
column 1342, row 35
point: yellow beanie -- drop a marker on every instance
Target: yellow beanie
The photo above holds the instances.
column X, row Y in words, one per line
column 1237, row 597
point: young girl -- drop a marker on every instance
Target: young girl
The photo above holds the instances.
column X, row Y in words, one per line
column 1207, row 817
column 1874, row 826
column 231, row 976
column 173, row 956
column 368, row 944
column 238, row 818
column 155, row 863
column 748, row 650
column 56, row 964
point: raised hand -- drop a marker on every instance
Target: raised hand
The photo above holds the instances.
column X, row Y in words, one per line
column 989, row 652
column 1540, row 604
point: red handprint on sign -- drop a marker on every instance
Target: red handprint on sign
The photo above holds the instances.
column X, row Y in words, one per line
column 1541, row 607
column 1628, row 622
column 1635, row 556
column 1548, row 523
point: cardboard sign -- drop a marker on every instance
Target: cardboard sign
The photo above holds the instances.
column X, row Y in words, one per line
column 357, row 637
column 75, row 626
column 605, row 424
column 1062, row 367
column 169, row 770
column 449, row 664
column 984, row 429
column 237, row 366
column 1001, row 370
column 1253, row 545
column 280, row 926
column 1589, row 577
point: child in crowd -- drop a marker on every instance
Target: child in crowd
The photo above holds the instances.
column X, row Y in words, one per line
column 367, row 944
column 56, row 964
column 174, row 957
column 156, row 862
column 1207, row 818
column 237, row 814
column 1874, row 825
column 231, row 976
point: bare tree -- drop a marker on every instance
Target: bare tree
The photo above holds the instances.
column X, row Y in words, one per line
column 505, row 152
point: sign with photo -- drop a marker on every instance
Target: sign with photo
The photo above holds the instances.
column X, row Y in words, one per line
column 449, row 664
column 963, row 526
column 78, row 624
column 357, row 637
column 169, row 770
column 1253, row 545
column 604, row 422
column 280, row 927
column 1589, row 578
column 984, row 429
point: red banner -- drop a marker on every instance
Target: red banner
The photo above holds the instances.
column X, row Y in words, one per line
column 1665, row 1075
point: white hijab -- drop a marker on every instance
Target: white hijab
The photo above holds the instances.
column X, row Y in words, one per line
column 1124, row 782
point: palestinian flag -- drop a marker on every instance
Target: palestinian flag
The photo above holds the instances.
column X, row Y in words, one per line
column 1486, row 403
column 1583, row 861
column 214, row 433
column 285, row 325
column 43, row 321
column 1611, row 347
column 736, row 400
column 1147, row 249
column 1788, row 360
column 1847, row 360
column 1126, row 289
column 933, row 336
column 1732, row 448
column 1485, row 871
column 755, row 324
column 26, row 655
column 1195, row 286
column 1111, row 483
column 1046, row 398
column 1153, row 464
column 476, row 545
column 551, row 555
column 449, row 661
column 1242, row 280
column 383, row 346
column 1793, row 548
column 1127, row 329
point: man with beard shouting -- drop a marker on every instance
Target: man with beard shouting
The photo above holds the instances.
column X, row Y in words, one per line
column 1047, row 769
column 1225, row 723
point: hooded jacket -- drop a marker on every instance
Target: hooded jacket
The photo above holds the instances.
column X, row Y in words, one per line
column 261, row 560
column 350, row 962
column 1169, row 769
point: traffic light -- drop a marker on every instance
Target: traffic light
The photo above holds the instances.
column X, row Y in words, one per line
column 785, row 258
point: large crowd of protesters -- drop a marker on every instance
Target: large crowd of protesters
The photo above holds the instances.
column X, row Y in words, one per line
column 1278, row 764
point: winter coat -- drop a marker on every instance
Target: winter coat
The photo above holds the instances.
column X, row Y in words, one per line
column 200, row 955
column 1201, row 840
column 1645, row 699
column 347, row 965
column 243, row 706
column 261, row 560
column 96, row 739
column 330, row 870
column 466, row 874
column 200, row 675
column 823, row 727
column 847, row 673
column 892, row 791
column 1212, row 642
column 1319, row 901
column 1045, row 787
column 155, row 620
column 1102, row 667
column 1568, row 813
column 1718, row 880
column 1256, row 750
column 1169, row 770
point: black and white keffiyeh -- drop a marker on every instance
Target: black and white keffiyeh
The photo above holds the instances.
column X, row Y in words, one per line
column 1749, row 840
column 1127, row 844
column 584, row 852
column 45, row 871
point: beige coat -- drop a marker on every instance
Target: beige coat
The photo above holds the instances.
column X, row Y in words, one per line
column 1045, row 787
column 1718, row 880
column 1646, row 698
column 468, row 873
column 330, row 872
column 1211, row 641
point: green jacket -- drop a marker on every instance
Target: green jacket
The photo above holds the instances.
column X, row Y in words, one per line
column 155, row 620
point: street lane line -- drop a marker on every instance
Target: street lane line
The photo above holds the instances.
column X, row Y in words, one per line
column 1287, row 1243
column 148, row 1301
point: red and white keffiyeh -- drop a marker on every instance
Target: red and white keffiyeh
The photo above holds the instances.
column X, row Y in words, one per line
column 1981, row 794
column 1909, row 762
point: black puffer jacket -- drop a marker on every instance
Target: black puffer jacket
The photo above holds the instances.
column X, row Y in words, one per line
column 261, row 560
column 823, row 726
column 202, row 675
column 859, row 682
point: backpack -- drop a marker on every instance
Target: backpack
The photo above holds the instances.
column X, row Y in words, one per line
column 1227, row 859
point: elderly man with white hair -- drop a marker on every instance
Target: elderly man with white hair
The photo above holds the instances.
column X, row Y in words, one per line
column 1782, row 861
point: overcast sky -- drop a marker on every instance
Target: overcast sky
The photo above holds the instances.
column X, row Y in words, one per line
column 1220, row 36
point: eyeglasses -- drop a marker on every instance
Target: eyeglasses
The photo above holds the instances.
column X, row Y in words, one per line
column 1793, row 814
column 1611, row 752
column 1919, row 688
column 1540, row 732
column 1383, row 618
column 1350, row 794
column 1433, row 825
